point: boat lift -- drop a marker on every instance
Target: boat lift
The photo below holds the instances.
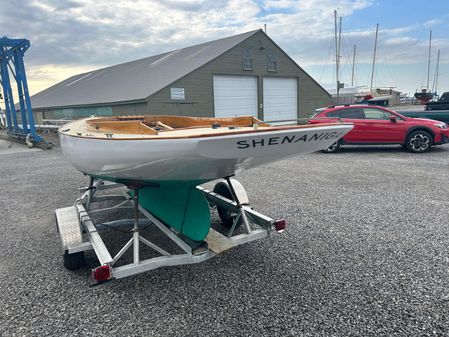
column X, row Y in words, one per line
column 11, row 62
column 79, row 233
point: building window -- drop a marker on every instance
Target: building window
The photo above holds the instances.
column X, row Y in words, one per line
column 74, row 113
column 247, row 59
column 272, row 60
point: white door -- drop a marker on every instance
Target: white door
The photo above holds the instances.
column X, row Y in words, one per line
column 280, row 98
column 235, row 96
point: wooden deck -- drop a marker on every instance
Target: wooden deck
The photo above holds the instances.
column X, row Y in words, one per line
column 168, row 127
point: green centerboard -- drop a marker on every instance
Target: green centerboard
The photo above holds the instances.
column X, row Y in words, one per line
column 180, row 205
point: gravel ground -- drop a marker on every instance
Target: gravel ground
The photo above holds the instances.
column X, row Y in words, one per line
column 365, row 254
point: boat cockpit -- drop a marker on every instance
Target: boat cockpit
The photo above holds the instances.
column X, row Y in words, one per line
column 153, row 125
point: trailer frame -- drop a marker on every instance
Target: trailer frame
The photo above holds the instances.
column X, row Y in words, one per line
column 78, row 233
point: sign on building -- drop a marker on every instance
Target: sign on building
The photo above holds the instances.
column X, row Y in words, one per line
column 177, row 93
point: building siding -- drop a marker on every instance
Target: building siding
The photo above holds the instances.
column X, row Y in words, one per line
column 130, row 109
column 199, row 91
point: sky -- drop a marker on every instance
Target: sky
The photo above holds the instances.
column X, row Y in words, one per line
column 73, row 36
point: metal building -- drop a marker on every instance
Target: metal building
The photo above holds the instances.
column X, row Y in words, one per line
column 246, row 74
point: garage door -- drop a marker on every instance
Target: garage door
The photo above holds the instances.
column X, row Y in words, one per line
column 280, row 98
column 235, row 96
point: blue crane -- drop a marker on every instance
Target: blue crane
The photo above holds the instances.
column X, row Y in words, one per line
column 11, row 63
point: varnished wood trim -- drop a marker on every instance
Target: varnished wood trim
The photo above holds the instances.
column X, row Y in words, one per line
column 123, row 127
column 227, row 133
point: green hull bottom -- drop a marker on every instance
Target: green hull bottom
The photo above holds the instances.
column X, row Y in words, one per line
column 179, row 204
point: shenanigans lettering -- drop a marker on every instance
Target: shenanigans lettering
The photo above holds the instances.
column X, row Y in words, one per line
column 270, row 141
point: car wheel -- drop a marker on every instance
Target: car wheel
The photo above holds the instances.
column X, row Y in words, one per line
column 333, row 148
column 419, row 141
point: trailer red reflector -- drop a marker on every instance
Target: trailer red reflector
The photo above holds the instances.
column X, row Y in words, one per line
column 102, row 273
column 280, row 225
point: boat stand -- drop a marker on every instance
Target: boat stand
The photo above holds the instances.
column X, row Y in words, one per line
column 78, row 232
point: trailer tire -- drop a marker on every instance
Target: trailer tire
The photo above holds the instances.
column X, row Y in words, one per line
column 333, row 148
column 225, row 215
column 73, row 261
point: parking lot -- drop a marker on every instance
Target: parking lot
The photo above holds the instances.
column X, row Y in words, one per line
column 366, row 253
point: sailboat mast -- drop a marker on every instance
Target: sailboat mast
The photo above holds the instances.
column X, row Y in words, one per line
column 336, row 56
column 435, row 79
column 339, row 56
column 374, row 58
column 353, row 65
column 428, row 60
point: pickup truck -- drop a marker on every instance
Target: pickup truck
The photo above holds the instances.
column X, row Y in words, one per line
column 441, row 104
column 439, row 115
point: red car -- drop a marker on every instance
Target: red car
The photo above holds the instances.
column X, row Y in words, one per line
column 378, row 125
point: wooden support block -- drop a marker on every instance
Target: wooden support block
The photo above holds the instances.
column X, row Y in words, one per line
column 218, row 243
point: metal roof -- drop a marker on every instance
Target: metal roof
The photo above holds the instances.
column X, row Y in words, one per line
column 135, row 80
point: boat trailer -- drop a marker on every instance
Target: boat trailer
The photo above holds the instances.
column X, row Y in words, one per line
column 79, row 233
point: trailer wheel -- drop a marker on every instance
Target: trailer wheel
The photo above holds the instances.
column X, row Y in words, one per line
column 225, row 215
column 335, row 147
column 73, row 261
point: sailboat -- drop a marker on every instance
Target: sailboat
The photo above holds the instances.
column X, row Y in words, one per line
column 166, row 157
column 424, row 96
column 160, row 149
column 383, row 96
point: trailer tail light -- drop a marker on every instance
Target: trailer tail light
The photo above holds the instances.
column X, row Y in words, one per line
column 280, row 225
column 102, row 273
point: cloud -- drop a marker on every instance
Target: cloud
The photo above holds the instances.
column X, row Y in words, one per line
column 104, row 32
column 69, row 35
column 400, row 41
column 433, row 22
column 41, row 76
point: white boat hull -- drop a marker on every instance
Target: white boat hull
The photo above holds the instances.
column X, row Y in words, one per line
column 196, row 159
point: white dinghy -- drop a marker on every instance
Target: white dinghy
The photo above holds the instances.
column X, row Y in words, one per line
column 173, row 148
column 164, row 158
